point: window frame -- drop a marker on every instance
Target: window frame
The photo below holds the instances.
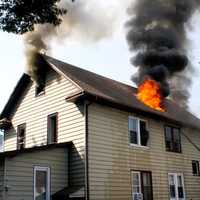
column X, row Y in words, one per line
column 48, row 170
column 138, row 132
column 19, row 127
column 172, row 136
column 197, row 166
column 141, row 181
column 176, row 185
column 49, row 118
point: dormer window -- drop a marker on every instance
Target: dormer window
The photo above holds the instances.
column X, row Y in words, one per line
column 21, row 133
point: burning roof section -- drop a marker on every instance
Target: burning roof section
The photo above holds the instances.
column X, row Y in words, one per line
column 115, row 94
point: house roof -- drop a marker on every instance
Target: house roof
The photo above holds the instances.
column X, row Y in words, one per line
column 35, row 149
column 111, row 92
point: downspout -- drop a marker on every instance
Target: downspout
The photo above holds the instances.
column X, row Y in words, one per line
column 87, row 190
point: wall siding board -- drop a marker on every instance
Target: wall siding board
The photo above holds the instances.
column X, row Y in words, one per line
column 34, row 111
column 111, row 158
column 19, row 172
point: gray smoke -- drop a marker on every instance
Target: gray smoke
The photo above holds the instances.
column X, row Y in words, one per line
column 157, row 31
column 84, row 21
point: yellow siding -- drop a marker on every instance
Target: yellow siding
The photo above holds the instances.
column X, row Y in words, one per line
column 34, row 111
column 111, row 158
column 19, row 172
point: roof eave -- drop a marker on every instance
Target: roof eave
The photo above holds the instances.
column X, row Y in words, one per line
column 102, row 101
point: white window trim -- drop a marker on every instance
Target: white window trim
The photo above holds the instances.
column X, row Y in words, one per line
column 46, row 169
column 176, row 185
column 138, row 133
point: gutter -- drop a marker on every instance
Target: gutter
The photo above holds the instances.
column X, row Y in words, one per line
column 87, row 189
column 84, row 95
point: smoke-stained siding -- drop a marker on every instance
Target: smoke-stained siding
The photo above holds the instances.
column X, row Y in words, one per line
column 111, row 157
column 34, row 111
column 19, row 172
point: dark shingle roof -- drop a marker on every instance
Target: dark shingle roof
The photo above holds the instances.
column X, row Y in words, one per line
column 122, row 94
column 107, row 90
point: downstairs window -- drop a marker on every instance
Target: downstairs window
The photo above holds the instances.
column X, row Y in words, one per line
column 41, row 183
column 176, row 186
column 142, row 185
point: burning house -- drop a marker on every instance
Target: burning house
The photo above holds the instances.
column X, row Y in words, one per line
column 73, row 134
column 78, row 139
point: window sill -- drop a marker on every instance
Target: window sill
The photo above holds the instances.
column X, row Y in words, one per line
column 139, row 146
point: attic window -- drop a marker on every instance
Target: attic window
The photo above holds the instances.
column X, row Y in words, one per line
column 39, row 90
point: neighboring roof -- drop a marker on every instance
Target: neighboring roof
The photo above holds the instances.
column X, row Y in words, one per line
column 114, row 93
column 34, row 149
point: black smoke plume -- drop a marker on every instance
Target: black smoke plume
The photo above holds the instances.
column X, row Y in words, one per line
column 157, row 32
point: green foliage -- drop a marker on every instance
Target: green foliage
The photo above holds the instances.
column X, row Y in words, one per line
column 20, row 16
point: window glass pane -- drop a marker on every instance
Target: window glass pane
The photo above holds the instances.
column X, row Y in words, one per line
column 172, row 186
column 133, row 137
column 180, row 187
column 41, row 185
column 136, row 182
column 147, row 187
column 133, row 130
column 144, row 135
column 168, row 138
column 176, row 141
column 195, row 167
column 133, row 124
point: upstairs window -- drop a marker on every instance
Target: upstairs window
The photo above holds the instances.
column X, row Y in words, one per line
column 172, row 139
column 52, row 126
column 21, row 133
column 138, row 133
column 195, row 168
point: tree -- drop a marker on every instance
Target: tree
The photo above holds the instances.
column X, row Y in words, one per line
column 20, row 16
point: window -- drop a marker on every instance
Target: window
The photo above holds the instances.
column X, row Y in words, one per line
column 195, row 168
column 142, row 185
column 176, row 186
column 173, row 139
column 21, row 133
column 41, row 183
column 52, row 128
column 138, row 133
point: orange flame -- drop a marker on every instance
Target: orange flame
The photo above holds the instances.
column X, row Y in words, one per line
column 150, row 94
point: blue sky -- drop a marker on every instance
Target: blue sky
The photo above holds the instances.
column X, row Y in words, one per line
column 109, row 56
